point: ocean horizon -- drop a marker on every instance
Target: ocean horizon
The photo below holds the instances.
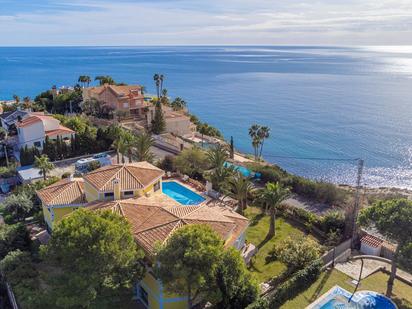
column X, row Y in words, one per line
column 325, row 105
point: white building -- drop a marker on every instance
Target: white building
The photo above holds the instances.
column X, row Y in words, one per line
column 32, row 131
column 9, row 119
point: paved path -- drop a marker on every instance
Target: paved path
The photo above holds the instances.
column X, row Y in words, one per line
column 352, row 269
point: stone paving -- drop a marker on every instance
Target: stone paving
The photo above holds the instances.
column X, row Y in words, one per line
column 352, row 269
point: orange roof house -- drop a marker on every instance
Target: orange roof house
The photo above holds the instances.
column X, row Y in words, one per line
column 33, row 130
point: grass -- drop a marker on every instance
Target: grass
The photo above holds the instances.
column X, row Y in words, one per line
column 376, row 282
column 256, row 235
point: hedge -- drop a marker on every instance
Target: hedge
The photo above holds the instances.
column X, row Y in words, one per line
column 296, row 284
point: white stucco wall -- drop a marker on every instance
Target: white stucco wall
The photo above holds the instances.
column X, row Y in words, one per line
column 31, row 134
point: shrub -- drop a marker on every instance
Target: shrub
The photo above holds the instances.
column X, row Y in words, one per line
column 18, row 207
column 269, row 173
column 260, row 303
column 66, row 175
column 168, row 164
column 333, row 221
column 296, row 252
column 13, row 237
column 297, row 283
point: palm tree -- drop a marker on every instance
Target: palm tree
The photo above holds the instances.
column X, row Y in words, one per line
column 44, row 165
column 105, row 80
column 202, row 129
column 156, row 78
column 117, row 141
column 16, row 98
column 82, row 80
column 128, row 141
column 26, row 103
column 263, row 133
column 178, row 104
column 253, row 133
column 217, row 155
column 161, row 79
column 241, row 187
column 272, row 196
column 142, row 145
column 87, row 80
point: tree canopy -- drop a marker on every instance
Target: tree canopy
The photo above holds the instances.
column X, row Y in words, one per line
column 392, row 218
column 18, row 206
column 96, row 251
column 191, row 161
column 188, row 261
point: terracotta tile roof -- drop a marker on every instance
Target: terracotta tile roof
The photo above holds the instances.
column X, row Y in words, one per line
column 371, row 241
column 63, row 192
column 117, row 90
column 131, row 176
column 60, row 131
column 28, row 121
column 153, row 224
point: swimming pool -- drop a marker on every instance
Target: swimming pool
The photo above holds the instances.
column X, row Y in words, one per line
column 181, row 194
column 338, row 297
column 243, row 170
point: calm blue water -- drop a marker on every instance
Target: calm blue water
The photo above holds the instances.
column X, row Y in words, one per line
column 326, row 102
column 181, row 194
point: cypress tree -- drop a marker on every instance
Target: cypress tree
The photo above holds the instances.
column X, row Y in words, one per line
column 158, row 123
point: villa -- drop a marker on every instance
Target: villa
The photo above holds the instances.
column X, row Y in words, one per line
column 121, row 98
column 154, row 208
column 10, row 119
column 130, row 99
column 33, row 130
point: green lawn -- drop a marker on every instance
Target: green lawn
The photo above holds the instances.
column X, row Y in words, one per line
column 376, row 282
column 256, row 234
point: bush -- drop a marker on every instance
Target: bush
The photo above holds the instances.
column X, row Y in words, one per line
column 66, row 175
column 7, row 172
column 333, row 221
column 168, row 164
column 296, row 284
column 261, row 303
column 296, row 252
column 269, row 173
column 13, row 237
column 18, row 207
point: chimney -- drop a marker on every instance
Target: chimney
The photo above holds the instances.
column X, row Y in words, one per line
column 116, row 189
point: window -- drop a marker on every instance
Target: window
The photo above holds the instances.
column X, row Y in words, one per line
column 37, row 144
column 108, row 195
column 125, row 105
column 157, row 186
column 143, row 295
column 128, row 193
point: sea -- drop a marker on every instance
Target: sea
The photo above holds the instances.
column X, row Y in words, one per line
column 326, row 106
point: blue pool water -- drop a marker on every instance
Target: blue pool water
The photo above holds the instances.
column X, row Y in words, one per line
column 181, row 194
column 338, row 298
column 243, row 170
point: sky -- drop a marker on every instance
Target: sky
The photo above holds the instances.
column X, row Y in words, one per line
column 205, row 22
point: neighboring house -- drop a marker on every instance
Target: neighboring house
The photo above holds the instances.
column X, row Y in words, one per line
column 177, row 122
column 130, row 99
column 121, row 98
column 10, row 119
column 135, row 191
column 32, row 131
column 28, row 174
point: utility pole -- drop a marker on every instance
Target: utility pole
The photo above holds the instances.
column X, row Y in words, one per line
column 5, row 153
column 357, row 201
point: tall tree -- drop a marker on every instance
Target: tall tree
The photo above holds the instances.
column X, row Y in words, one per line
column 235, row 284
column 17, row 207
column 191, row 161
column 271, row 197
column 96, row 251
column 263, row 133
column 253, row 133
column 186, row 264
column 241, row 187
column 158, row 122
column 44, row 165
column 392, row 219
column 16, row 98
column 156, row 79
column 142, row 145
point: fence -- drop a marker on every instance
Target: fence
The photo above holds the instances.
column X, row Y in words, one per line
column 339, row 253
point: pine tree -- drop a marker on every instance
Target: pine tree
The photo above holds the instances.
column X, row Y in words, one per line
column 158, row 123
